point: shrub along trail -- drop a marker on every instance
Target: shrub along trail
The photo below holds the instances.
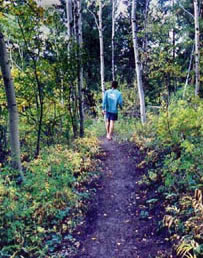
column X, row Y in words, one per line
column 118, row 222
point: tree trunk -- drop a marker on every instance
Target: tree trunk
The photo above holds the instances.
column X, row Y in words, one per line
column 197, row 51
column 112, row 39
column 39, row 131
column 69, row 21
column 101, row 47
column 174, row 38
column 40, row 107
column 144, row 43
column 188, row 72
column 137, row 64
column 12, row 106
column 173, row 88
column 72, row 28
column 80, row 69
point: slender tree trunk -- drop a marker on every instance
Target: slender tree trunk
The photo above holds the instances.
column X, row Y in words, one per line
column 39, row 131
column 174, row 38
column 80, row 69
column 144, row 43
column 174, row 52
column 113, row 39
column 74, row 109
column 72, row 27
column 173, row 88
column 137, row 64
column 40, row 108
column 174, row 44
column 69, row 21
column 12, row 107
column 101, row 47
column 197, row 51
column 188, row 72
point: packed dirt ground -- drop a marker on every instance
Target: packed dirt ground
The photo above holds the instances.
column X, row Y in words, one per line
column 119, row 222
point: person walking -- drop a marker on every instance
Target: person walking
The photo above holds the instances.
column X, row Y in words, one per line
column 111, row 100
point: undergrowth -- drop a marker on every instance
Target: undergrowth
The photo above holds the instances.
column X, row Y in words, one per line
column 173, row 143
column 37, row 216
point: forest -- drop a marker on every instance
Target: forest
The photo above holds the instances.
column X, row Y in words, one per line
column 57, row 59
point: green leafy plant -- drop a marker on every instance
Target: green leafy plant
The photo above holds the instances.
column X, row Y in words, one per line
column 35, row 216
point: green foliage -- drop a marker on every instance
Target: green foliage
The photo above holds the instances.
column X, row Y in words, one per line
column 36, row 216
column 124, row 128
column 174, row 144
column 33, row 216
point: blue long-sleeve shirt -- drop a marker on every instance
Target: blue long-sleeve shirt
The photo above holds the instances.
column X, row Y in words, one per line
column 112, row 99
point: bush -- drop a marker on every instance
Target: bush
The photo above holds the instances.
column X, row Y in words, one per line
column 173, row 141
column 34, row 216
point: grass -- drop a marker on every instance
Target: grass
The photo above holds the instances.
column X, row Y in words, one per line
column 124, row 128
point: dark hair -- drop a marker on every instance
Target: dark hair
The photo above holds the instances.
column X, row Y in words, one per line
column 114, row 84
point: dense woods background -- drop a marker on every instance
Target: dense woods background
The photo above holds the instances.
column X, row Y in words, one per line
column 62, row 56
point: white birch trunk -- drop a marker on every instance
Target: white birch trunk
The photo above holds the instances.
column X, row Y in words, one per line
column 101, row 47
column 112, row 39
column 197, row 51
column 188, row 72
column 137, row 64
column 75, row 19
column 69, row 21
column 12, row 107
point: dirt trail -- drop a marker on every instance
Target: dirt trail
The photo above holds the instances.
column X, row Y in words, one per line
column 114, row 228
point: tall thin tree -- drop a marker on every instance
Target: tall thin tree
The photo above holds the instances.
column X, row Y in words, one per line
column 69, row 23
column 197, row 50
column 137, row 63
column 101, row 42
column 12, row 106
column 72, row 28
column 113, row 38
column 188, row 72
column 80, row 68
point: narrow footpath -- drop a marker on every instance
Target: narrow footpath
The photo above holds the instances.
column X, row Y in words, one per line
column 116, row 225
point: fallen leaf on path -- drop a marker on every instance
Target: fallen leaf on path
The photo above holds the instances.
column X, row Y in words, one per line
column 77, row 244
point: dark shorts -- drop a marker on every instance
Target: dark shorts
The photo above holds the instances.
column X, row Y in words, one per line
column 111, row 116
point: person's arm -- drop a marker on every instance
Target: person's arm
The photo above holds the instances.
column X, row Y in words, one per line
column 104, row 102
column 120, row 101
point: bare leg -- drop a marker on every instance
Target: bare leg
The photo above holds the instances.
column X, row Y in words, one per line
column 107, row 128
column 111, row 127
